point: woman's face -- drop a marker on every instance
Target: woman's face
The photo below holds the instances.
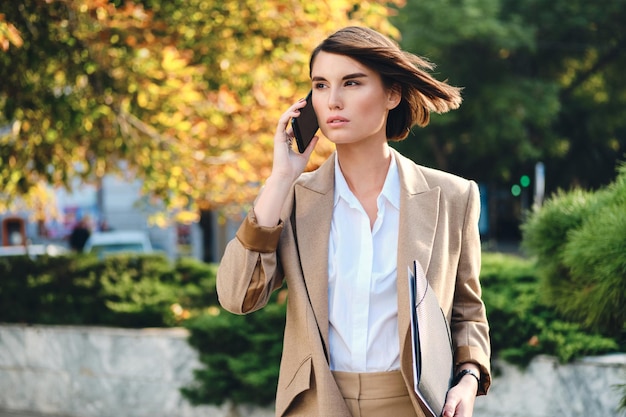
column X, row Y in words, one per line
column 350, row 99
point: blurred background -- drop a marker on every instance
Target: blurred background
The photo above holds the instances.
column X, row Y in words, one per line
column 159, row 115
column 146, row 127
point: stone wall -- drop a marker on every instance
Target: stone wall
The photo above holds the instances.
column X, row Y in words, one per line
column 110, row 372
column 585, row 388
column 79, row 371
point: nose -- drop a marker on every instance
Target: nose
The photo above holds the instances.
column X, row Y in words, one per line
column 335, row 100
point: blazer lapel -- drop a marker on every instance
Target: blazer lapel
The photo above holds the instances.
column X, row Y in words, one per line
column 314, row 208
column 419, row 208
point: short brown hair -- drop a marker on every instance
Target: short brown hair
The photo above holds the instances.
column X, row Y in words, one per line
column 421, row 93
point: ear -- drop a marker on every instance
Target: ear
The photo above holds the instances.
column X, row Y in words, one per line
column 394, row 96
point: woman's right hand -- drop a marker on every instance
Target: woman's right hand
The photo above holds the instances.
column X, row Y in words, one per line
column 287, row 166
column 288, row 163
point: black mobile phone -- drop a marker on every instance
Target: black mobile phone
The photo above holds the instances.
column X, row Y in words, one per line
column 305, row 126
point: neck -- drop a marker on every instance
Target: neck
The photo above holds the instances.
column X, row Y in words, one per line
column 364, row 168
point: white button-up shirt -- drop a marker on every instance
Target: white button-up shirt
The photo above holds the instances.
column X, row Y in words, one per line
column 362, row 270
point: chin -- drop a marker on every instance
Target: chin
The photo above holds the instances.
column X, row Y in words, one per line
column 339, row 139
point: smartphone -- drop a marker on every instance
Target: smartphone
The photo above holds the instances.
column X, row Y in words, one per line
column 305, row 126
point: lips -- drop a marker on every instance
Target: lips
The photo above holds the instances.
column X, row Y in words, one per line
column 336, row 120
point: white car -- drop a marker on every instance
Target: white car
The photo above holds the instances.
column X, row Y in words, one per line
column 122, row 241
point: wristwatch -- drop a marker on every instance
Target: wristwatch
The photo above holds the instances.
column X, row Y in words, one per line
column 464, row 372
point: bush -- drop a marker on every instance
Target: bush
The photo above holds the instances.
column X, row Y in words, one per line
column 241, row 355
column 125, row 291
column 197, row 280
column 521, row 324
column 596, row 257
column 579, row 241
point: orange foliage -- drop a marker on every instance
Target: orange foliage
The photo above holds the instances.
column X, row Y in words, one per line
column 196, row 89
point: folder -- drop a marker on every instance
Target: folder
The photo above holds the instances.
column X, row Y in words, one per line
column 431, row 344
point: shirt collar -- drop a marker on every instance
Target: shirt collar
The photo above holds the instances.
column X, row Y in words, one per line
column 391, row 188
column 390, row 191
column 342, row 191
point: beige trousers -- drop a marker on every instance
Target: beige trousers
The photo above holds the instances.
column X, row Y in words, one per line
column 375, row 394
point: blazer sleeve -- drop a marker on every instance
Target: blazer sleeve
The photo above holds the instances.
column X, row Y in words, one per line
column 469, row 327
column 249, row 270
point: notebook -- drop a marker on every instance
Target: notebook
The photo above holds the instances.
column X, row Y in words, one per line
column 431, row 343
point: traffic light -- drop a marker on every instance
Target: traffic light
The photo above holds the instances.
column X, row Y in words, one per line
column 524, row 182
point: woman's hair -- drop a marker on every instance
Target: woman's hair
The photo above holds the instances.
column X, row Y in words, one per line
column 401, row 70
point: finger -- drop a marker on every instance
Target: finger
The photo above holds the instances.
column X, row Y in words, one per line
column 449, row 408
column 293, row 111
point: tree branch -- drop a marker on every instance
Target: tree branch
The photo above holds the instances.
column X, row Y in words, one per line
column 602, row 62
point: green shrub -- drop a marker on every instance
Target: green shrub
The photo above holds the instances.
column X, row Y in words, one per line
column 545, row 233
column 241, row 355
column 545, row 230
column 125, row 290
column 579, row 241
column 44, row 291
column 596, row 257
column 197, row 280
column 521, row 324
column 137, row 291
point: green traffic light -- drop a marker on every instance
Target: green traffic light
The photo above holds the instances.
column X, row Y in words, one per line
column 516, row 190
column 525, row 181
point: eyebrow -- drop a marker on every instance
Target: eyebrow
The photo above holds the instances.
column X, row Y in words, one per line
column 345, row 77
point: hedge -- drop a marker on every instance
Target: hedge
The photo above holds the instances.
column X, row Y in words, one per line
column 241, row 354
column 124, row 291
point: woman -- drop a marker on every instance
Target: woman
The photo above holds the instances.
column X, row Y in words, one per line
column 342, row 238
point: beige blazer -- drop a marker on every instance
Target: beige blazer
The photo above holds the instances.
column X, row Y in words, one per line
column 438, row 227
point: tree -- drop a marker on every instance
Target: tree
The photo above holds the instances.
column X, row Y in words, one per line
column 181, row 94
column 541, row 83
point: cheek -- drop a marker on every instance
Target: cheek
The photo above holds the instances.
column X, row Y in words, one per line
column 374, row 110
column 317, row 97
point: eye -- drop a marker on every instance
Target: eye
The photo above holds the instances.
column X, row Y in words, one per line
column 319, row 86
column 352, row 83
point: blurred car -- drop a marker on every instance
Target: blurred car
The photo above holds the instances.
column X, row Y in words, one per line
column 118, row 241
